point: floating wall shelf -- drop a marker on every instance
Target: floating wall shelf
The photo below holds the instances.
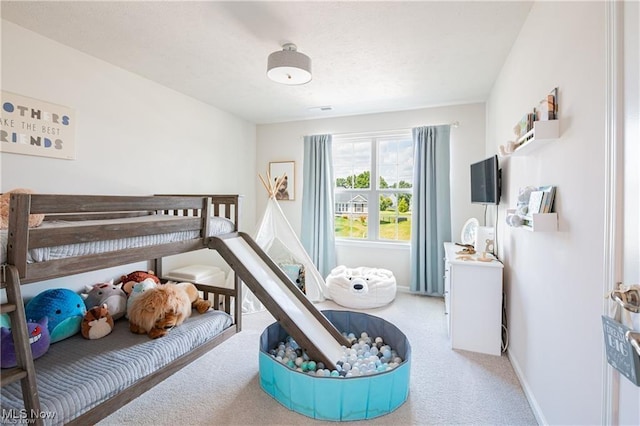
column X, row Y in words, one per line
column 539, row 222
column 542, row 133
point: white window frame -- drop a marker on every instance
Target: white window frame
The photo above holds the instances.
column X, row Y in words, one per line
column 374, row 192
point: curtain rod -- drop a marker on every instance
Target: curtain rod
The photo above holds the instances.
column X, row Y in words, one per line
column 454, row 124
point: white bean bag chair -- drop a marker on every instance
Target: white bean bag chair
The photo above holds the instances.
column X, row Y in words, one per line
column 362, row 287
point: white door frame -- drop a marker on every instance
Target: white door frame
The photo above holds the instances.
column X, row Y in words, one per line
column 613, row 165
column 614, row 187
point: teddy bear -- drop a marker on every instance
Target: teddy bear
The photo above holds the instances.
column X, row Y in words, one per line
column 35, row 220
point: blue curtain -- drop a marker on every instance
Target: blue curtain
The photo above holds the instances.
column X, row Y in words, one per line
column 317, row 235
column 431, row 222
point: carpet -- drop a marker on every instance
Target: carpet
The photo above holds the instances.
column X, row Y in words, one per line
column 447, row 387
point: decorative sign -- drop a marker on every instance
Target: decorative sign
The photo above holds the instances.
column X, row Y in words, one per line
column 33, row 127
column 620, row 353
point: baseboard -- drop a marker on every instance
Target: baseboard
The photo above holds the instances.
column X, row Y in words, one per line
column 402, row 289
column 537, row 412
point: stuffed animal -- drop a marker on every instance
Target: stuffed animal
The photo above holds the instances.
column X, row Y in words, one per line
column 109, row 293
column 128, row 281
column 137, row 291
column 35, row 220
column 197, row 302
column 38, row 338
column 63, row 308
column 97, row 322
column 158, row 310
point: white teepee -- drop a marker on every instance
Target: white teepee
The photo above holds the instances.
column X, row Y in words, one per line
column 277, row 238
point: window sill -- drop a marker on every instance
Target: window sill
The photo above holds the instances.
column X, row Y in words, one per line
column 373, row 244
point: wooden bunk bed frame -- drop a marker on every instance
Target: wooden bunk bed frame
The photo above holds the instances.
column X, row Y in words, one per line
column 188, row 213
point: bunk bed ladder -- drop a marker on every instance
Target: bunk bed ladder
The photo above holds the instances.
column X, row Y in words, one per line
column 25, row 371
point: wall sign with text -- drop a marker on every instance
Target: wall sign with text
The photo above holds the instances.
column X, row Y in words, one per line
column 34, row 127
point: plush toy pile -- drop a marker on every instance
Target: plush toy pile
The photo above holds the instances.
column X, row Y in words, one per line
column 151, row 307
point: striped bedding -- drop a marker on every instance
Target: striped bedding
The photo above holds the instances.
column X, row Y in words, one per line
column 77, row 374
column 218, row 226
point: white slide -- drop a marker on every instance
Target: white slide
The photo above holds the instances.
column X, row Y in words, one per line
column 284, row 300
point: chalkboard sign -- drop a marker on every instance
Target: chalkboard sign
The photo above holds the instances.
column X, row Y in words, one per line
column 620, row 354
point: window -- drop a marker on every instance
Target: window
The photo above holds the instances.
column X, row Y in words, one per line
column 380, row 211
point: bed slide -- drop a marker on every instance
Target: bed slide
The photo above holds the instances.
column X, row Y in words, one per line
column 284, row 300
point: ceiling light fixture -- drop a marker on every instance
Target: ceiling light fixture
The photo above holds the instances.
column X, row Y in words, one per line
column 289, row 66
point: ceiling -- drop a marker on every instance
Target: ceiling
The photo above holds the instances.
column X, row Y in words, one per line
column 366, row 57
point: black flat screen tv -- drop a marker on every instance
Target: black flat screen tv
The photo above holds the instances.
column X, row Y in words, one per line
column 485, row 181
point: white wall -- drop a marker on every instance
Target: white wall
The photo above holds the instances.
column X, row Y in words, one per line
column 284, row 141
column 133, row 136
column 554, row 280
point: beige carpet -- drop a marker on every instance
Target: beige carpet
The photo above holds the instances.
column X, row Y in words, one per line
column 446, row 386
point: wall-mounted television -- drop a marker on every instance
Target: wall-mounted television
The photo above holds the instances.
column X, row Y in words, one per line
column 485, row 181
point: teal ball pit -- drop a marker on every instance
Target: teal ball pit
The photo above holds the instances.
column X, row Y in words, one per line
column 337, row 398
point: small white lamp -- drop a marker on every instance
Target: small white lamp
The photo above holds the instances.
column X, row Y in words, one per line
column 289, row 66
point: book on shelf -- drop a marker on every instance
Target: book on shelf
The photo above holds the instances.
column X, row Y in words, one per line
column 525, row 124
column 545, row 110
column 548, row 107
column 535, row 203
column 548, row 195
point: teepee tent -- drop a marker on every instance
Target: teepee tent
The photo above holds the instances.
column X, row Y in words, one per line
column 278, row 239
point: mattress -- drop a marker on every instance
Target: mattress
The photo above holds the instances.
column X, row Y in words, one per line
column 218, row 226
column 77, row 374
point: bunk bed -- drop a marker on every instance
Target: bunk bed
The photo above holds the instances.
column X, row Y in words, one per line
column 82, row 233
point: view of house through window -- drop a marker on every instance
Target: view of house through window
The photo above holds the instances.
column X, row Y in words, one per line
column 373, row 184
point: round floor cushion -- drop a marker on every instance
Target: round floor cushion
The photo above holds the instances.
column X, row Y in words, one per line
column 361, row 287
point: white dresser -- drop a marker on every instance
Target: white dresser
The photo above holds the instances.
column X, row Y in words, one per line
column 473, row 302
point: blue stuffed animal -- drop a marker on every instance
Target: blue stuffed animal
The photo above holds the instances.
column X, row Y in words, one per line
column 63, row 308
column 38, row 339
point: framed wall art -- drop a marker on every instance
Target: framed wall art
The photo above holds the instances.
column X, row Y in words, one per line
column 286, row 189
column 34, row 127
